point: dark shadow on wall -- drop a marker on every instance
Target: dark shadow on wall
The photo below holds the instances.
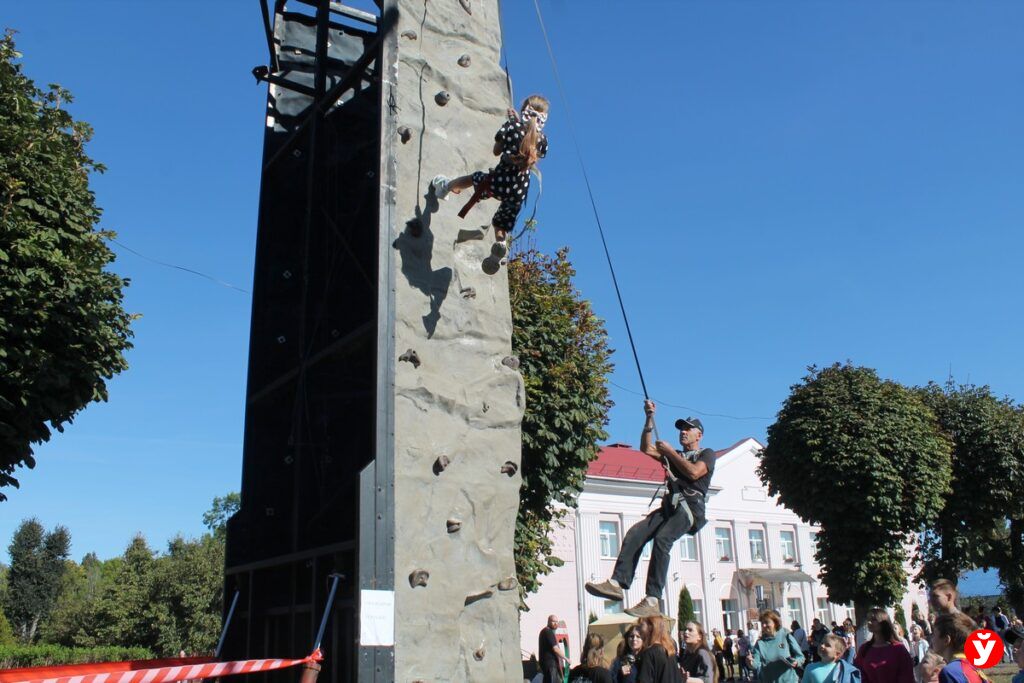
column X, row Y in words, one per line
column 416, row 246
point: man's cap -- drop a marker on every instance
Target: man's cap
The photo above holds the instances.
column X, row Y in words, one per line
column 682, row 424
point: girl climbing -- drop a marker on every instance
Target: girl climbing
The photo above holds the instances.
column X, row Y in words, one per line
column 520, row 143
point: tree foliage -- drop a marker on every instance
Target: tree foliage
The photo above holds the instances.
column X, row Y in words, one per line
column 63, row 330
column 686, row 613
column 34, row 578
column 564, row 358
column 983, row 513
column 863, row 458
column 900, row 617
column 216, row 518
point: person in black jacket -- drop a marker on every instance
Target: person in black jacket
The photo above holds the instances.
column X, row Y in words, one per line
column 657, row 661
column 681, row 512
column 593, row 666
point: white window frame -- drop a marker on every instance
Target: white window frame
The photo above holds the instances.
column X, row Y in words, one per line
column 761, row 558
column 788, row 554
column 698, row 611
column 794, row 614
column 723, row 545
column 606, row 537
column 688, row 543
column 823, row 611
column 730, row 615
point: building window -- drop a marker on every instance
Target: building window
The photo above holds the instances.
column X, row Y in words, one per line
column 688, row 547
column 788, row 547
column 822, row 612
column 646, row 552
column 757, row 551
column 698, row 611
column 814, row 543
column 723, row 544
column 613, row 607
column 609, row 539
column 794, row 610
column 730, row 614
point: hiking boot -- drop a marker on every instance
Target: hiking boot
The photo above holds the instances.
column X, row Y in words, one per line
column 499, row 249
column 441, row 186
column 644, row 608
column 605, row 589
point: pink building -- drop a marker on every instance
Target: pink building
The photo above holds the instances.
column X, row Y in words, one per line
column 753, row 553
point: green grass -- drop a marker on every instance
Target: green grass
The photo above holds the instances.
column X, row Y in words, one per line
column 1002, row 673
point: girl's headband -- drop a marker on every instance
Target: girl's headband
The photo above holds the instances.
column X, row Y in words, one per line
column 540, row 117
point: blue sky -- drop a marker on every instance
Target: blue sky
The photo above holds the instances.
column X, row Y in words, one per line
column 782, row 184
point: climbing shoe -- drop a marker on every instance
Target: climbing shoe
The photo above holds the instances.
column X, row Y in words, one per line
column 644, row 608
column 605, row 589
column 442, row 187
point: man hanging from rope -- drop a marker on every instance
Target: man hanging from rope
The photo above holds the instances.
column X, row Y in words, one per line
column 681, row 512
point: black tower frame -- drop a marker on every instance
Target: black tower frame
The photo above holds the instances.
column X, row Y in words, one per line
column 316, row 479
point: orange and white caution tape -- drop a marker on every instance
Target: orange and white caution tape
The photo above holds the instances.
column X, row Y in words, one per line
column 149, row 670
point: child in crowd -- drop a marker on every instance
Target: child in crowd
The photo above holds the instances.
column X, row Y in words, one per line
column 949, row 637
column 520, row 143
column 929, row 668
column 829, row 652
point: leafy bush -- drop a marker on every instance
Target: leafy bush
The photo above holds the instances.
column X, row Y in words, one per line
column 18, row 656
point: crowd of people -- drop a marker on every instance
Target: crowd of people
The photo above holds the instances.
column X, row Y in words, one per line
column 931, row 652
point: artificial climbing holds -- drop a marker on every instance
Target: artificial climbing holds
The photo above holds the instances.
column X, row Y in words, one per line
column 510, row 362
column 509, row 468
column 404, row 134
column 442, row 97
column 410, row 356
column 507, row 584
column 419, row 578
column 464, row 61
column 410, row 34
column 441, row 464
column 479, row 655
column 453, row 525
column 480, row 595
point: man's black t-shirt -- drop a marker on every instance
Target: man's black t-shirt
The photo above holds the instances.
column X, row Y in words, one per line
column 546, row 645
column 695, row 491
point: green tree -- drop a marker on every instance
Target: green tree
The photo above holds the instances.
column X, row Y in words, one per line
column 686, row 613
column 900, row 617
column 63, row 330
column 864, row 459
column 982, row 519
column 72, row 621
column 216, row 518
column 34, row 578
column 188, row 595
column 564, row 358
column 127, row 614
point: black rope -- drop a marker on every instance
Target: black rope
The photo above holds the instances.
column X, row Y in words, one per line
column 593, row 202
column 181, row 268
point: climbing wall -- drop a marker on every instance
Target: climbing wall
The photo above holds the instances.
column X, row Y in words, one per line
column 458, row 395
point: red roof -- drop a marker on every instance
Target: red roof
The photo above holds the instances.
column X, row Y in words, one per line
column 622, row 461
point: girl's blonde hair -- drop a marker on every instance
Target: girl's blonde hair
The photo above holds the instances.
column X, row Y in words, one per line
column 593, row 652
column 528, row 148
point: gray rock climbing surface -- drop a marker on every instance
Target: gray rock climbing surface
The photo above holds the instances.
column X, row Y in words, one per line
column 457, row 408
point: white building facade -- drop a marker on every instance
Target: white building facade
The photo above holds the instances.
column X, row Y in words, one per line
column 752, row 554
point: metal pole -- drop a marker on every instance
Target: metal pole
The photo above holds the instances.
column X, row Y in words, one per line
column 227, row 622
column 335, row 579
